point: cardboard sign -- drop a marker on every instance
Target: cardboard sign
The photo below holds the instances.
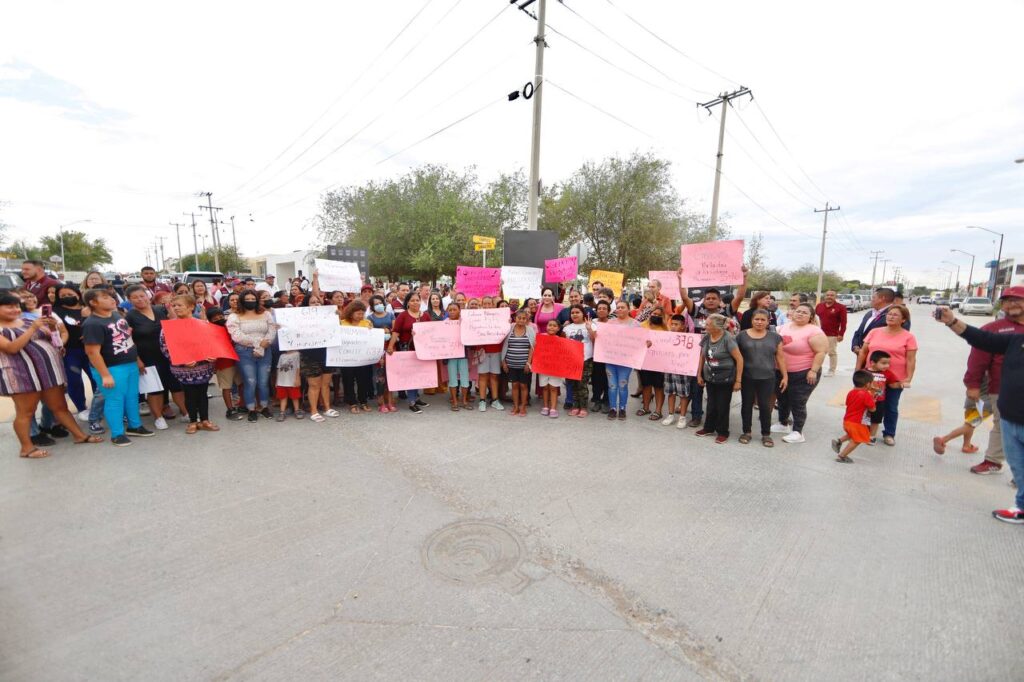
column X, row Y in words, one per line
column 336, row 275
column 712, row 263
column 620, row 344
column 669, row 283
column 310, row 327
column 192, row 340
column 484, row 326
column 673, row 352
column 521, row 282
column 438, row 340
column 560, row 269
column 406, row 371
column 612, row 280
column 477, row 282
column 558, row 357
column 359, row 347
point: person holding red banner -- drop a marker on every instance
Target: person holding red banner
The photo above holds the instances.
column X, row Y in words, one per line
column 551, row 385
column 516, row 357
column 194, row 377
column 618, row 375
column 581, row 329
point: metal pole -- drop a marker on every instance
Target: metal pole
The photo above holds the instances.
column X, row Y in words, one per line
column 999, row 262
column 234, row 241
column 213, row 233
column 875, row 255
column 538, row 95
column 195, row 243
column 718, row 178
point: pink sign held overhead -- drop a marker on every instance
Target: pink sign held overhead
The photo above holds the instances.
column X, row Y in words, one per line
column 620, row 344
column 712, row 263
column 477, row 282
column 482, row 326
column 560, row 269
column 438, row 340
column 673, row 352
column 406, row 371
column 669, row 283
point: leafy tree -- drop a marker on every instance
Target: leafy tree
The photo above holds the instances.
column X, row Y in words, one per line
column 80, row 252
column 805, row 278
column 755, row 253
column 769, row 279
column 230, row 261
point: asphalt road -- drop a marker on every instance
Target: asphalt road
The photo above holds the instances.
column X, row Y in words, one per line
column 481, row 546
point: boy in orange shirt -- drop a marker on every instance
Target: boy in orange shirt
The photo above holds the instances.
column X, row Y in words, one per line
column 859, row 400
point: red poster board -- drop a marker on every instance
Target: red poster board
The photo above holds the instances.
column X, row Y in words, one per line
column 558, row 357
column 192, row 340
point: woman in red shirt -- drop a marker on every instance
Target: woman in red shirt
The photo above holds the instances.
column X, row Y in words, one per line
column 401, row 339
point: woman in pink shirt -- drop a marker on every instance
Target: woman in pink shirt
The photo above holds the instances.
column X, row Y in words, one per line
column 901, row 346
column 805, row 346
column 547, row 310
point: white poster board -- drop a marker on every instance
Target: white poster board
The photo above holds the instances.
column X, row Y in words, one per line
column 309, row 327
column 521, row 282
column 336, row 275
column 359, row 347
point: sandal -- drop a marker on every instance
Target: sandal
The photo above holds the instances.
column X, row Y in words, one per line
column 938, row 446
column 89, row 440
column 844, row 460
column 317, row 417
column 354, row 410
column 767, row 441
column 642, row 411
column 746, row 438
column 655, row 416
column 582, row 413
column 35, row 453
column 889, row 440
column 332, row 413
column 192, row 427
column 208, row 425
column 365, row 408
column 969, row 449
column 454, row 407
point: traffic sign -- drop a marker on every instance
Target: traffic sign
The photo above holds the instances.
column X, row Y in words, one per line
column 483, row 247
column 489, row 241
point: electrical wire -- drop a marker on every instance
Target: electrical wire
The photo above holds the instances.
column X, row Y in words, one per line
column 757, row 140
column 441, row 130
column 337, row 99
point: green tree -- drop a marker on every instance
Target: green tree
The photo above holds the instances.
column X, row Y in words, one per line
column 769, row 279
column 805, row 279
column 80, row 252
column 230, row 261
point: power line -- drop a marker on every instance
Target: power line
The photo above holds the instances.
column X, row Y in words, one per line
column 441, row 130
column 786, row 147
column 337, row 99
column 773, row 159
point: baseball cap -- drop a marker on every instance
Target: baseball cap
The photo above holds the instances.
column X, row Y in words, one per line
column 366, row 287
column 1012, row 292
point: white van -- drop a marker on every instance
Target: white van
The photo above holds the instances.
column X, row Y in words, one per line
column 208, row 277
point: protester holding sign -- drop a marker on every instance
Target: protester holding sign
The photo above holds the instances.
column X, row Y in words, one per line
column 402, row 339
column 762, row 353
column 550, row 385
column 653, row 382
column 356, row 380
column 144, row 319
column 618, row 375
column 599, row 374
column 252, row 330
column 194, row 377
column 721, row 366
column 677, row 386
column 458, row 370
column 580, row 329
column 516, row 356
column 489, row 358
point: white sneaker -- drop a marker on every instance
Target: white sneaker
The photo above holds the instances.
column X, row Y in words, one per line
column 780, row 428
column 160, row 424
column 667, row 421
column 144, row 409
column 795, row 437
column 83, row 416
column 830, row 373
column 498, row 406
column 483, row 406
column 681, row 424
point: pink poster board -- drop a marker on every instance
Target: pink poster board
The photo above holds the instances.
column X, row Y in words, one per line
column 669, row 283
column 477, row 282
column 676, row 353
column 620, row 344
column 712, row 263
column 406, row 371
column 560, row 269
column 438, row 340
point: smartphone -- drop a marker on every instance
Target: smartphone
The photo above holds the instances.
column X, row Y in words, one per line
column 46, row 310
column 937, row 313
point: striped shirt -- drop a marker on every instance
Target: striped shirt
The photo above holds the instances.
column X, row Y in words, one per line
column 518, row 351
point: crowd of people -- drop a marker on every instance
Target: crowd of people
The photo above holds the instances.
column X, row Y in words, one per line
column 58, row 335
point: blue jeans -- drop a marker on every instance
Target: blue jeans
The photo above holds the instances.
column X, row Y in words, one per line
column 255, row 376
column 123, row 399
column 892, row 411
column 1013, row 448
column 618, row 385
column 412, row 395
column 458, row 373
column 696, row 399
column 74, row 362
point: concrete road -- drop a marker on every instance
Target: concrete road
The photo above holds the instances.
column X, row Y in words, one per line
column 481, row 546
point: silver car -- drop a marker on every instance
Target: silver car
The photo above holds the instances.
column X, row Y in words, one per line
column 976, row 306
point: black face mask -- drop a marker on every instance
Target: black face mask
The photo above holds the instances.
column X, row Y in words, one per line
column 656, row 320
column 249, row 304
column 218, row 321
column 68, row 301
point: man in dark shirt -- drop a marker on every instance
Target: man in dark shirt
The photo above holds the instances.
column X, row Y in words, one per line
column 832, row 317
column 36, row 279
column 881, row 301
column 1011, row 407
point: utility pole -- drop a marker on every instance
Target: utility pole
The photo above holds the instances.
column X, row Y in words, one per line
column 824, row 233
column 875, row 255
column 213, row 228
column 725, row 100
column 177, row 235
column 234, row 241
column 885, row 262
column 162, row 256
column 195, row 241
column 538, row 96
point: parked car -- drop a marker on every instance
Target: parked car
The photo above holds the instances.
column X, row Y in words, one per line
column 955, row 302
column 976, row 305
column 941, row 300
column 848, row 301
column 206, row 276
column 862, row 301
column 924, row 299
column 10, row 280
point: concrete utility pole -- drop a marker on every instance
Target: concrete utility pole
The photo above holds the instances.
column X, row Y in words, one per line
column 234, row 240
column 875, row 255
column 824, row 235
column 162, row 256
column 177, row 235
column 885, row 261
column 970, row 275
column 725, row 100
column 195, row 240
column 538, row 96
column 214, row 235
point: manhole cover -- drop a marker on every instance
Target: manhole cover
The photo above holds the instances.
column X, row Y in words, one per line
column 476, row 553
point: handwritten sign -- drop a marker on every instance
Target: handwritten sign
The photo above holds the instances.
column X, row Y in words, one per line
column 438, row 340
column 406, row 371
column 359, row 347
column 484, row 326
column 669, row 283
column 191, row 340
column 560, row 269
column 336, row 275
column 620, row 345
column 521, row 282
column 673, row 352
column 311, row 327
column 612, row 280
column 477, row 282
column 558, row 357
column 712, row 263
